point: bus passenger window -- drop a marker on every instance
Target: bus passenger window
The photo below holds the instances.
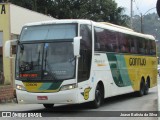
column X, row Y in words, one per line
column 141, row 46
column 106, row 39
column 147, row 47
column 133, row 47
column 97, row 46
column 153, row 48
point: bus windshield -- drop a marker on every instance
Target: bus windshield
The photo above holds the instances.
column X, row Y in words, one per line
column 45, row 61
column 46, row 53
column 48, row 32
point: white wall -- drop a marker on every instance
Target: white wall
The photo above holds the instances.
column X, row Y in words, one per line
column 21, row 16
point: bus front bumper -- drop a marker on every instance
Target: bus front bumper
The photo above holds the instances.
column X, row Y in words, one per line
column 61, row 97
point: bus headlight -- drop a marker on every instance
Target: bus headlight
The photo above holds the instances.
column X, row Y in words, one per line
column 68, row 87
column 20, row 87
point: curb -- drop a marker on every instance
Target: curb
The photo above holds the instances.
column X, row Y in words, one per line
column 6, row 101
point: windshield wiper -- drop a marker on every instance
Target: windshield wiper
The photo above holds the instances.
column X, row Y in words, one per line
column 47, row 65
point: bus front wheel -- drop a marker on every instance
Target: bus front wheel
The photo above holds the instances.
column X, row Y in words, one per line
column 48, row 106
column 98, row 97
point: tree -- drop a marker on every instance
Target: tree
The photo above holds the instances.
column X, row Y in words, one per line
column 151, row 24
column 29, row 4
column 119, row 18
column 97, row 10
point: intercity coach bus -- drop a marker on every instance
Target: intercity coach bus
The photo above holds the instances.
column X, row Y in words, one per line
column 77, row 61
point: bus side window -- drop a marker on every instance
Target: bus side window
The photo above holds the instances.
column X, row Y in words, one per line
column 132, row 47
column 153, row 48
column 141, row 46
column 84, row 65
column 99, row 39
column 106, row 40
column 147, row 47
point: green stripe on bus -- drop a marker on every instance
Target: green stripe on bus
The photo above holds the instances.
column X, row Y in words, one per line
column 50, row 86
column 124, row 70
column 119, row 70
column 45, row 86
column 55, row 85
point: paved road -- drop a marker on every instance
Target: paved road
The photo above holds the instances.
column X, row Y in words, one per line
column 128, row 102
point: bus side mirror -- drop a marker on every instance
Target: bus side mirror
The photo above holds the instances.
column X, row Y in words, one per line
column 76, row 45
column 8, row 46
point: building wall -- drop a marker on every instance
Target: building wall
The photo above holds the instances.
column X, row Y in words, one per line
column 6, row 87
column 21, row 16
column 12, row 18
column 5, row 29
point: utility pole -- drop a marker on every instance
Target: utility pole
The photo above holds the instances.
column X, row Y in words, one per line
column 131, row 13
column 141, row 23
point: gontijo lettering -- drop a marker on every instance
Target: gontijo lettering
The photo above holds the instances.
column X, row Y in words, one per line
column 137, row 61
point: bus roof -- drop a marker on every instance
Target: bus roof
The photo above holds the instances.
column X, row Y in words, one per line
column 110, row 24
column 122, row 29
column 105, row 25
column 59, row 22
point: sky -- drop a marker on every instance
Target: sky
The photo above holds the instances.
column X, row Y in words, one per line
column 139, row 6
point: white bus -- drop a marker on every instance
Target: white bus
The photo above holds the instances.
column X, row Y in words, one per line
column 77, row 61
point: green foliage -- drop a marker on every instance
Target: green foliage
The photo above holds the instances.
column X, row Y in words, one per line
column 24, row 3
column 150, row 24
column 119, row 18
column 97, row 10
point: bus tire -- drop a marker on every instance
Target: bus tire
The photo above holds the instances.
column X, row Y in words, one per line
column 99, row 97
column 48, row 106
column 146, row 90
column 142, row 88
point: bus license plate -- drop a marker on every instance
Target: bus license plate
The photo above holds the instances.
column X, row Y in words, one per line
column 42, row 98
